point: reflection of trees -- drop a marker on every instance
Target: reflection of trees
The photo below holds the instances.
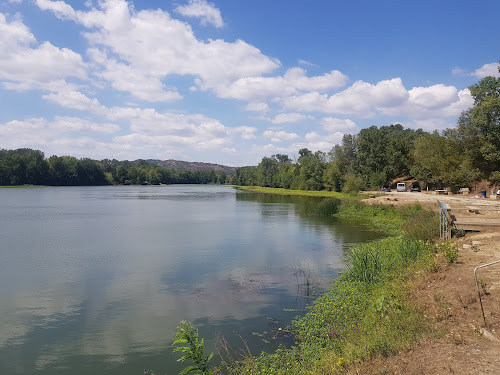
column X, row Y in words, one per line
column 342, row 231
column 303, row 205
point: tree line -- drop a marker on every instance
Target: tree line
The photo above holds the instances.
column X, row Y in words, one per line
column 454, row 158
column 30, row 167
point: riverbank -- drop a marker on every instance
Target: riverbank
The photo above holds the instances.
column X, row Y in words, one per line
column 366, row 313
column 440, row 296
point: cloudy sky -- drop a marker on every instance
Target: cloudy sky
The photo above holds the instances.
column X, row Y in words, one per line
column 231, row 81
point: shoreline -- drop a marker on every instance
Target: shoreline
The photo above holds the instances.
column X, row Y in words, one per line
column 459, row 342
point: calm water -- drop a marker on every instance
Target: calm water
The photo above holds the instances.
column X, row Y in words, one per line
column 96, row 279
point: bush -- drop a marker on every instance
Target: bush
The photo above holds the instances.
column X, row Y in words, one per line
column 449, row 251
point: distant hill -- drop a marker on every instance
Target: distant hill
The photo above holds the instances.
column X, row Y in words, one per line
column 190, row 166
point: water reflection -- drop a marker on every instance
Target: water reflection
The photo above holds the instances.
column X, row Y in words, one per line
column 97, row 278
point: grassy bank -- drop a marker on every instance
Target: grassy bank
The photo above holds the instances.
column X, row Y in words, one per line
column 366, row 312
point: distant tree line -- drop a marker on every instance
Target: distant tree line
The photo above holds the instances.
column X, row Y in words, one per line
column 454, row 158
column 27, row 166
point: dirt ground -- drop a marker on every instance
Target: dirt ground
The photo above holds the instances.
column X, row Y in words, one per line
column 465, row 345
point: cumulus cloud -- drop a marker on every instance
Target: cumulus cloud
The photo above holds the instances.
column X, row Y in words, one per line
column 361, row 99
column 76, row 100
column 323, row 142
column 207, row 12
column 245, row 132
column 329, row 81
column 60, row 8
column 288, row 118
column 387, row 97
column 293, row 82
column 75, row 124
column 278, row 136
column 332, row 125
column 257, row 107
column 150, row 46
column 487, row 70
column 25, row 67
column 62, row 136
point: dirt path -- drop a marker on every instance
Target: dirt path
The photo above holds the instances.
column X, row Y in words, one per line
column 449, row 298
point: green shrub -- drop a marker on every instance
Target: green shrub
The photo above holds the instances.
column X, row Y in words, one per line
column 449, row 251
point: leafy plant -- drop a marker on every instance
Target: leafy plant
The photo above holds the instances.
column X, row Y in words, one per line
column 187, row 334
column 449, row 251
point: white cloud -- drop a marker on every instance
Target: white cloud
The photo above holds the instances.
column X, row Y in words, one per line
column 322, row 142
column 457, row 71
column 332, row 125
column 288, row 118
column 292, row 82
column 207, row 12
column 328, row 81
column 60, row 8
column 487, row 70
column 278, row 136
column 245, row 132
column 145, row 87
column 305, row 63
column 76, row 100
column 151, row 46
column 363, row 98
column 62, row 136
column 388, row 97
column 75, row 124
column 231, row 150
column 257, row 107
column 24, row 68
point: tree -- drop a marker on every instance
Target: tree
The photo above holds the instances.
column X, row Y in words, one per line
column 479, row 127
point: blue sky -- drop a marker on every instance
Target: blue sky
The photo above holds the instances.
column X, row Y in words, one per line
column 231, row 81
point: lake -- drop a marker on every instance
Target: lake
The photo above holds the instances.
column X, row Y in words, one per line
column 96, row 279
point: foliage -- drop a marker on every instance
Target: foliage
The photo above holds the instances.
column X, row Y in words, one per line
column 495, row 178
column 187, row 334
column 27, row 166
column 449, row 251
column 353, row 184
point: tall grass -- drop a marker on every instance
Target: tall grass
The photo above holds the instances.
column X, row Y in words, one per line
column 327, row 207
